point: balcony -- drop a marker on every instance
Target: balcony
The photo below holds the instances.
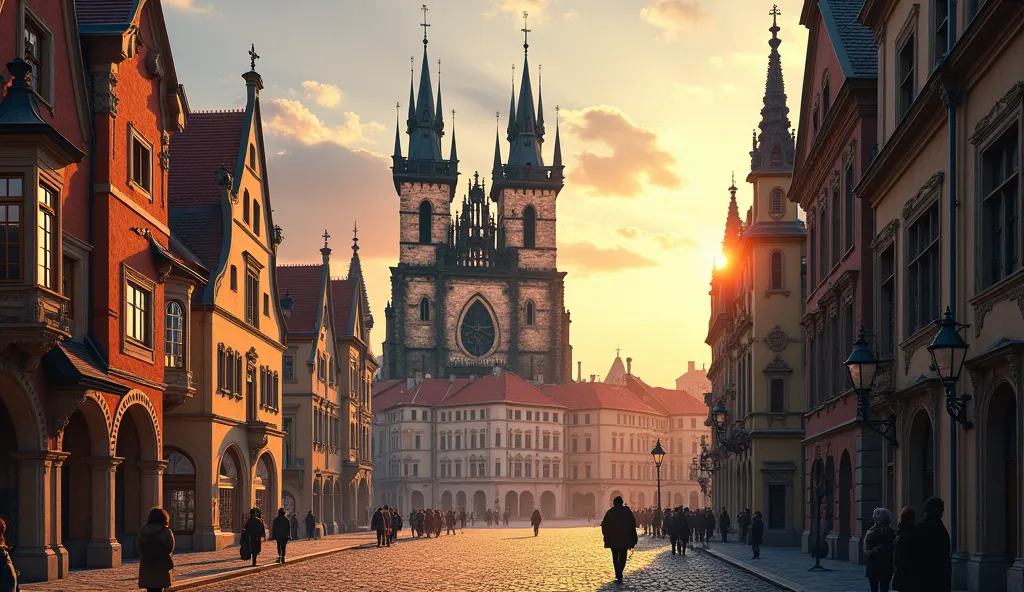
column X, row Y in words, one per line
column 180, row 387
column 33, row 319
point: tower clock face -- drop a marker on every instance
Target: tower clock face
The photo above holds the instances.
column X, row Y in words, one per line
column 477, row 331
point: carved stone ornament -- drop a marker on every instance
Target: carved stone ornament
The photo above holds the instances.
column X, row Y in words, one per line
column 104, row 98
column 165, row 151
column 923, row 196
column 1011, row 289
column 833, row 181
column 1004, row 109
column 778, row 365
column 154, row 65
column 848, row 153
column 777, row 339
column 252, row 354
column 886, row 235
column 778, row 478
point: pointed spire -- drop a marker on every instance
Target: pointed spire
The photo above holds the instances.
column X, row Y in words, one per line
column 525, row 150
column 733, row 226
column 355, row 271
column 496, row 168
column 511, row 130
column 439, row 115
column 412, row 98
column 424, row 131
column 556, row 161
column 453, row 154
column 774, row 148
column 540, row 106
column 397, row 154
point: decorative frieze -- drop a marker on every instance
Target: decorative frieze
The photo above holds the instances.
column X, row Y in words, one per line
column 104, row 97
column 1004, row 109
column 886, row 235
column 1011, row 288
column 913, row 206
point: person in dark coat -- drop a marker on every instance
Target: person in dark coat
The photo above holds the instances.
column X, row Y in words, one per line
column 709, row 525
column 280, row 531
column 680, row 530
column 310, row 525
column 619, row 530
column 878, row 546
column 667, row 524
column 723, row 525
column 756, row 534
column 535, row 520
column 438, row 522
column 257, row 531
column 427, row 520
column 377, row 525
column 8, row 575
column 294, row 523
column 905, row 549
column 931, row 562
column 155, row 544
column 396, row 524
column 744, row 524
column 462, row 519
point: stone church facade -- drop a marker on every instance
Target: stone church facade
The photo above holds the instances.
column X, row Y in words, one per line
column 479, row 288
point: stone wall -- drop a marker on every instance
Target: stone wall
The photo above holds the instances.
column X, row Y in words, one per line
column 512, row 202
column 411, row 195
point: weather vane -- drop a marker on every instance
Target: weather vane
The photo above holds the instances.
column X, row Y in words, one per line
column 253, row 56
column 526, row 32
column 424, row 25
column 355, row 235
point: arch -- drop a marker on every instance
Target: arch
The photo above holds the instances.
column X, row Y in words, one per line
column 694, row 500
column 526, row 503
column 424, row 309
column 265, row 486
column 446, row 501
column 478, row 333
column 144, row 413
column 999, row 473
column 845, row 505
column 512, row 504
column 677, row 500
column 531, row 313
column 426, row 220
column 416, row 499
column 174, row 334
column 547, row 504
column 479, row 503
column 180, row 490
column 231, row 496
column 363, row 502
column 460, row 501
column 529, row 228
column 921, row 450
column 776, row 270
column 26, row 410
column 328, row 497
column 614, row 494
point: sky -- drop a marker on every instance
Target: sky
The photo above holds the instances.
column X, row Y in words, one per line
column 658, row 99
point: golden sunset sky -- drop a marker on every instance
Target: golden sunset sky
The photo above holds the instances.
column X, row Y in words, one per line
column 658, row 101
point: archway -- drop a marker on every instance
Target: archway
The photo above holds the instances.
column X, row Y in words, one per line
column 479, row 504
column 364, row 503
column 460, row 501
column 230, row 500
column 135, row 477
column 83, row 517
column 694, row 500
column 526, row 504
column 677, row 499
column 589, row 504
column 845, row 505
column 446, row 501
column 1000, row 501
column 264, row 487
column 512, row 504
column 921, row 448
column 830, row 497
column 416, row 499
column 614, row 494
column 8, row 474
column 547, row 504
column 180, row 491
column 328, row 497
column 21, row 429
column 577, row 505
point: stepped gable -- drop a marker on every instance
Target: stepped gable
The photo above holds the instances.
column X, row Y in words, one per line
column 595, row 395
column 303, row 284
column 499, row 388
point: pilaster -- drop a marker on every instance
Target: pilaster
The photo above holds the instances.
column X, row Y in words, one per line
column 56, row 524
column 867, row 491
column 151, row 485
column 34, row 555
column 103, row 550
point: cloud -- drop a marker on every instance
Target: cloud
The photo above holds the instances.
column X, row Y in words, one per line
column 635, row 160
column 729, row 89
column 324, row 94
column 703, row 94
column 750, row 59
column 716, row 61
column 292, row 119
column 665, row 240
column 589, row 258
column 189, row 6
column 516, row 7
column 671, row 16
column 571, row 15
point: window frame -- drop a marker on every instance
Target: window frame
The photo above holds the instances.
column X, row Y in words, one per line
column 424, row 309
column 77, row 252
column 1009, row 262
column 915, row 320
column 25, row 17
column 140, row 349
column 46, row 250
column 907, row 38
column 530, row 227
column 934, row 26
column 531, row 313
column 135, row 135
column 773, row 285
column 169, row 343
column 17, row 201
column 425, row 232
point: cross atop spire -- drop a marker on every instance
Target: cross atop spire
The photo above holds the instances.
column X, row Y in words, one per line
column 253, row 56
column 355, row 236
column 326, row 236
column 526, row 33
column 618, row 350
column 425, row 24
column 774, row 13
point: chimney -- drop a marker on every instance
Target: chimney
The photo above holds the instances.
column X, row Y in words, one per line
column 691, row 366
column 593, row 377
column 410, row 383
column 579, row 371
column 451, row 378
column 629, row 366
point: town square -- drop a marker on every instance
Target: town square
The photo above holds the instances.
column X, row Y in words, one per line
column 320, row 295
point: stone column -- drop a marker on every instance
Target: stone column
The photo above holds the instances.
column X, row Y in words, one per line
column 867, row 491
column 151, row 485
column 56, row 523
column 103, row 550
column 34, row 557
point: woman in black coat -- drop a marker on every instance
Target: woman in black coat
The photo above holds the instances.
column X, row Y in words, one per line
column 619, row 530
column 904, row 553
column 756, row 534
column 878, row 546
column 257, row 531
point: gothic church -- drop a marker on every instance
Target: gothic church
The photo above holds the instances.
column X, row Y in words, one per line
column 479, row 288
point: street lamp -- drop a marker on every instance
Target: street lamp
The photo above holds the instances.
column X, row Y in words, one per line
column 862, row 366
column 734, row 441
column 948, row 352
column 659, row 457
column 719, row 414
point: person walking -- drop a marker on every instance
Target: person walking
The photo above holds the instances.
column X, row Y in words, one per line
column 8, row 575
column 280, row 531
column 310, row 525
column 535, row 520
column 666, row 524
column 756, row 534
column 680, row 532
column 904, row 553
column 619, row 531
column 396, row 524
column 155, row 544
column 744, row 524
column 932, row 565
column 257, row 531
column 462, row 519
column 723, row 524
column 878, row 546
column 294, row 523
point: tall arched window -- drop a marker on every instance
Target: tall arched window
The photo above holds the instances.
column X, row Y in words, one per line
column 529, row 227
column 826, row 92
column 180, row 492
column 174, row 335
column 531, row 313
column 424, row 309
column 245, row 206
column 426, row 216
column 776, row 279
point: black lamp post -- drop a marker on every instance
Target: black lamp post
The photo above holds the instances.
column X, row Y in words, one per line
column 733, row 442
column 659, row 456
column 948, row 352
column 862, row 366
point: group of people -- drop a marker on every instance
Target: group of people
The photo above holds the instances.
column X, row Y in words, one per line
column 702, row 524
column 914, row 556
column 387, row 523
column 494, row 517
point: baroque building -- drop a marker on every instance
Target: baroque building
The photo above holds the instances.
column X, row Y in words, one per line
column 479, row 288
column 756, row 306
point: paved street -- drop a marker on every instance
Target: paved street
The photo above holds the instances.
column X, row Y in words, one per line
column 568, row 559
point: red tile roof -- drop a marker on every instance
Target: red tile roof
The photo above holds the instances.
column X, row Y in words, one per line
column 429, row 392
column 500, row 388
column 596, row 395
column 210, row 139
column 672, row 401
column 99, row 12
column 343, row 294
column 302, row 282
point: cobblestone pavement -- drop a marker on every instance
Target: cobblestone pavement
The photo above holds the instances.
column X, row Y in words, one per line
column 193, row 565
column 569, row 559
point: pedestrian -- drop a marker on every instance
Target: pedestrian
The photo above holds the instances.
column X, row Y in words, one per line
column 377, row 525
column 535, row 520
column 756, row 534
column 462, row 518
column 905, row 549
column 656, row 522
column 932, row 565
column 723, row 524
column 8, row 575
column 680, row 532
column 396, row 524
column 709, row 526
column 878, row 546
column 310, row 525
column 280, row 531
column 438, row 523
column 294, row 523
column 427, row 521
column 744, row 523
column 472, row 519
column 619, row 530
column 666, row 523
column 257, row 531
column 155, row 544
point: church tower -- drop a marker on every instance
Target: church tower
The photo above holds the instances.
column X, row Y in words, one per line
column 479, row 288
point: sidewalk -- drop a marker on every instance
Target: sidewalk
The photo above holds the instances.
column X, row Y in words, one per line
column 196, row 568
column 787, row 567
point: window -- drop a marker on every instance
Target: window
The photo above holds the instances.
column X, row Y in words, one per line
column 519, row 414
column 613, row 470
column 137, row 310
column 586, row 418
column 887, row 304
column 826, row 92
column 554, row 443
column 586, row 470
column 574, row 442
column 426, row 217
column 234, row 278
column 531, row 314
column 245, row 206
column 547, row 441
column 575, row 419
column 776, row 506
column 180, row 493
column 472, row 414
column 414, row 417
column 923, row 270
column 776, row 205
column 693, row 423
column 142, row 162
column 822, row 229
column 256, row 217
column 586, row 444
column 554, row 417
column 10, row 228
column 174, row 335
column 288, row 367
column 458, row 441
column 575, row 471
column 529, row 469
column 905, row 77
column 545, row 416
column 252, row 157
column 940, row 29
column 836, row 225
column 497, row 469
column 529, row 440
column 850, row 208
column 518, row 441
column 1000, row 207
column 776, row 279
column 252, row 291
column 472, row 440
column 529, row 228
column 529, row 416
column 37, row 54
column 613, row 442
column 497, row 439
column 48, row 204
column 777, row 395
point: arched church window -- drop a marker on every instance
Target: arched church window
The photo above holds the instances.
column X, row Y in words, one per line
column 174, row 335
column 245, row 206
column 775, row 208
column 531, row 313
column 776, row 275
column 477, row 331
column 424, row 309
column 425, row 222
column 529, row 228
